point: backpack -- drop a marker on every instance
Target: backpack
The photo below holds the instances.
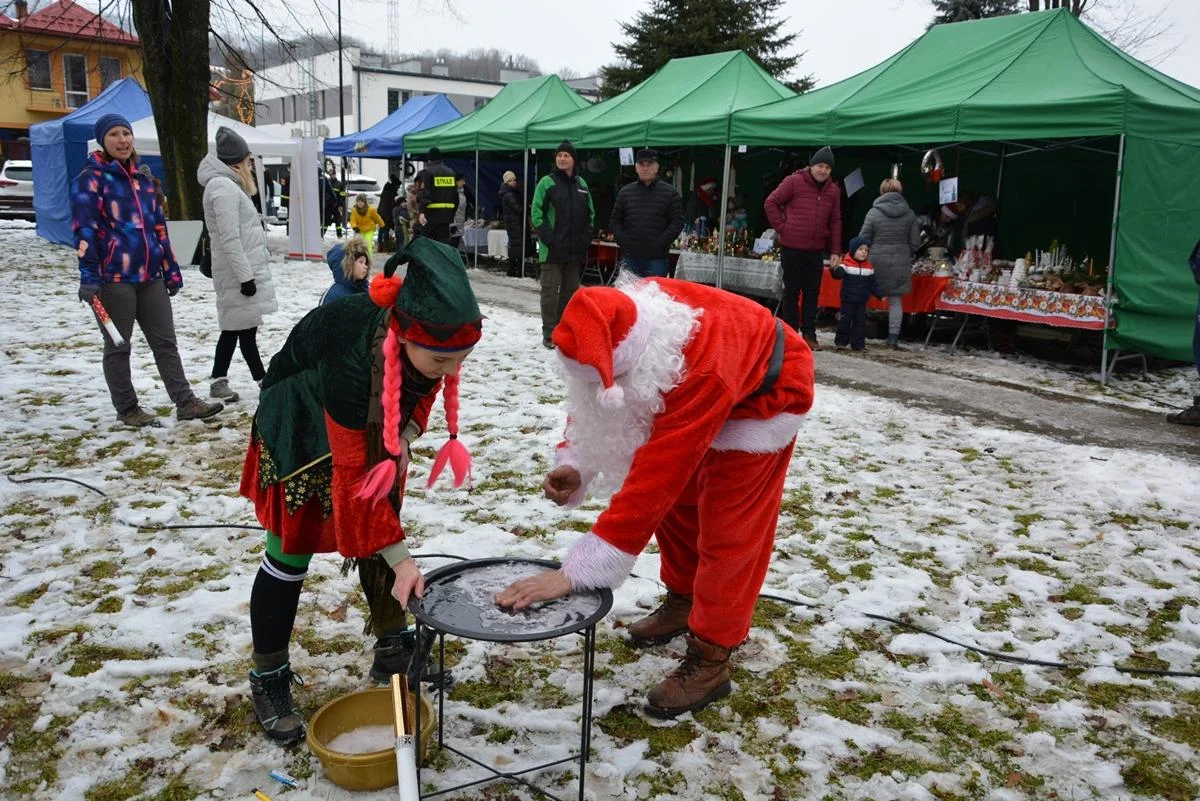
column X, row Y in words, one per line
column 205, row 248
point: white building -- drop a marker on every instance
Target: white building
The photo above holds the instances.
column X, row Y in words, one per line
column 300, row 98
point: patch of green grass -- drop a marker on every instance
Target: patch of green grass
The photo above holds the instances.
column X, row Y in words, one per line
column 881, row 762
column 29, row 597
column 1161, row 622
column 886, row 492
column 317, row 645
column 102, row 569
column 179, row 584
column 1154, row 776
column 848, row 706
column 110, row 605
column 619, row 649
column 970, row 454
column 500, row 734
column 145, row 465
column 1081, row 594
column 1124, row 520
column 508, row 680
column 625, row 726
column 112, row 449
column 90, row 657
column 26, row 508
column 996, row 614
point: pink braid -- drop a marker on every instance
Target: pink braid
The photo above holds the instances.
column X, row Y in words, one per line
column 380, row 479
column 453, row 451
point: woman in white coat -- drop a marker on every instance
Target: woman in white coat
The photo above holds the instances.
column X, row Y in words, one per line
column 240, row 261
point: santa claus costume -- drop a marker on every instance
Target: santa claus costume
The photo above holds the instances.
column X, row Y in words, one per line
column 351, row 387
column 684, row 401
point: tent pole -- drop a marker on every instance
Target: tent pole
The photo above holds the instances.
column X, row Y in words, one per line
column 1112, row 264
column 404, row 194
column 724, row 201
column 1000, row 174
column 476, row 248
column 524, row 207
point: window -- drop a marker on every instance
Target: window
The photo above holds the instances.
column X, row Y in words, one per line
column 75, row 79
column 480, row 102
column 37, row 69
column 393, row 100
column 110, row 71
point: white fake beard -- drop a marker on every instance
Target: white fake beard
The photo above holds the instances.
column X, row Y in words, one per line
column 604, row 440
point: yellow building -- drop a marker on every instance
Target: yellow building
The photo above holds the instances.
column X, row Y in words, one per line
column 53, row 61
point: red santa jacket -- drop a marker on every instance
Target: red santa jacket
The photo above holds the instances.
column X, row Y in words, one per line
column 715, row 405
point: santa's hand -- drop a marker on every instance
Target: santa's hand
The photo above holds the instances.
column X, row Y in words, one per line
column 561, row 483
column 409, row 581
column 545, row 587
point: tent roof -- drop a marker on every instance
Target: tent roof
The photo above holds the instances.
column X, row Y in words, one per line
column 385, row 139
column 145, row 137
column 125, row 96
column 687, row 102
column 1042, row 75
column 500, row 124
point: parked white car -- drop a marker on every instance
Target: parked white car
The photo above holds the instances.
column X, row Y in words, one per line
column 357, row 184
column 16, row 183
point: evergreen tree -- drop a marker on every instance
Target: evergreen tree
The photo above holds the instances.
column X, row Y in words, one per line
column 963, row 10
column 680, row 28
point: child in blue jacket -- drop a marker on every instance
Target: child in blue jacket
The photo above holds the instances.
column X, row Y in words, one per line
column 858, row 284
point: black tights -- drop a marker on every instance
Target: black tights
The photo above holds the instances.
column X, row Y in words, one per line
column 247, row 339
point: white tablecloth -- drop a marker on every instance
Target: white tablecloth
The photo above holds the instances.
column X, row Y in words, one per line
column 497, row 243
column 474, row 239
column 762, row 279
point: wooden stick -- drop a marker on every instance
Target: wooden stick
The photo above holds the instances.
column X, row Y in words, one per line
column 403, row 721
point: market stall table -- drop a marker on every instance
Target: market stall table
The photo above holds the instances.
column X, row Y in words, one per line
column 922, row 300
column 1023, row 304
column 459, row 600
column 475, row 239
column 762, row 279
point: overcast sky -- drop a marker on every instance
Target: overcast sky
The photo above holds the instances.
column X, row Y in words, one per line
column 838, row 37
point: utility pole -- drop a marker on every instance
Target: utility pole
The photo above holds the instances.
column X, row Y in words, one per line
column 341, row 109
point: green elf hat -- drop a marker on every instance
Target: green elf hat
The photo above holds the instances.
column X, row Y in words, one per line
column 434, row 305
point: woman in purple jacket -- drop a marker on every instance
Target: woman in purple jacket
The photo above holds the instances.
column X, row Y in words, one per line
column 806, row 211
column 125, row 259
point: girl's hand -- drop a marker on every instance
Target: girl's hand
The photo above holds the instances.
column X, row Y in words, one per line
column 409, row 581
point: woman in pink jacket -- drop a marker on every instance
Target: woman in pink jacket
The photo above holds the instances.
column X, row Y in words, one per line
column 806, row 211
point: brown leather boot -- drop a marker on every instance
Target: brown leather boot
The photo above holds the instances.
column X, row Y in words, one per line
column 664, row 624
column 811, row 339
column 701, row 678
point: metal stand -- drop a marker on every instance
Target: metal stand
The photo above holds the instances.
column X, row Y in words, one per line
column 585, row 726
column 962, row 320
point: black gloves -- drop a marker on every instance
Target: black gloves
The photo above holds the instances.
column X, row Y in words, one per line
column 87, row 292
column 172, row 291
column 248, row 288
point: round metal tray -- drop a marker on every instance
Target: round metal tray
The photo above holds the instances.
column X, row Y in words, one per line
column 459, row 600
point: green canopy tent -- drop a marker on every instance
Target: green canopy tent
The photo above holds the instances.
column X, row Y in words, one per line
column 687, row 102
column 1021, row 80
column 500, row 123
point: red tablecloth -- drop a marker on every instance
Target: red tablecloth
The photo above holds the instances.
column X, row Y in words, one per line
column 922, row 300
column 1057, row 309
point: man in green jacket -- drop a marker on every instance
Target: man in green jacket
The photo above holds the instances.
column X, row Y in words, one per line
column 563, row 217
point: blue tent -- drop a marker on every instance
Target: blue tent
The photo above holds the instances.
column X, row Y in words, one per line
column 385, row 139
column 59, row 152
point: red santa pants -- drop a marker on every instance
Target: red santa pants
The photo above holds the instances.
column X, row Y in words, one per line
column 716, row 540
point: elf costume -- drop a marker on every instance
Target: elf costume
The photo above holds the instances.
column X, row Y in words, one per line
column 328, row 450
column 685, row 402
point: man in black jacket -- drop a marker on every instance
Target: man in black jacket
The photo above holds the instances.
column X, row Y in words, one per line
column 646, row 218
column 563, row 217
column 438, row 198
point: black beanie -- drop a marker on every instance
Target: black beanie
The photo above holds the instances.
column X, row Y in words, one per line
column 566, row 147
column 822, row 156
column 435, row 154
column 231, row 147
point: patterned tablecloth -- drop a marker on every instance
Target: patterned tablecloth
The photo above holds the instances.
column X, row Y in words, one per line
column 1058, row 309
column 763, row 279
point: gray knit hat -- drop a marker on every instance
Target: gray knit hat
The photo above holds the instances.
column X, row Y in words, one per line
column 231, row 148
column 822, row 156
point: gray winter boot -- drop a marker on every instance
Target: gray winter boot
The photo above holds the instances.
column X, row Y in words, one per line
column 1189, row 416
column 271, row 693
column 221, row 391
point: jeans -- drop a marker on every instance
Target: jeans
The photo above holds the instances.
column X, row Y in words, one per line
column 895, row 315
column 852, row 325
column 149, row 305
column 645, row 268
column 248, row 339
column 559, row 282
column 802, row 272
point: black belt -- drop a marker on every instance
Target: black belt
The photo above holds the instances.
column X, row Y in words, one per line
column 775, row 366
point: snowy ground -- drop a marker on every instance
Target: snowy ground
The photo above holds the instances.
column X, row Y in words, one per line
column 124, row 649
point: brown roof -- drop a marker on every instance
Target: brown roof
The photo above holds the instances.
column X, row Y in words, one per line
column 5, row 22
column 69, row 19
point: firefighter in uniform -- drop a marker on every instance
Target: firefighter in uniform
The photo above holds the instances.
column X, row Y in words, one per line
column 438, row 198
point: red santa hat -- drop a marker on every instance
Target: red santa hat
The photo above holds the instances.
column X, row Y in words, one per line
column 599, row 328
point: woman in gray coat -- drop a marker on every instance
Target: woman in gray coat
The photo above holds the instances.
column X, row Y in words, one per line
column 894, row 232
column 240, row 260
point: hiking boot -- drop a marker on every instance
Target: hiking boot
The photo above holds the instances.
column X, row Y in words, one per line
column 271, row 693
column 811, row 339
column 221, row 391
column 701, row 678
column 893, row 343
column 137, row 417
column 196, row 409
column 547, row 343
column 394, row 654
column 1189, row 416
column 665, row 623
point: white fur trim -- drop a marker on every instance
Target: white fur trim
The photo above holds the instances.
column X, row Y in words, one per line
column 629, row 349
column 758, row 436
column 612, row 397
column 592, row 563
